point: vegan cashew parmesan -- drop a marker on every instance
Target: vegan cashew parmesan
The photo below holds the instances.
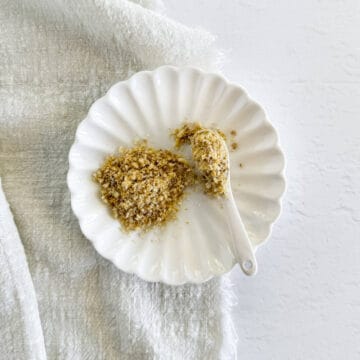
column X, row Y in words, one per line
column 209, row 153
column 144, row 186
column 211, row 159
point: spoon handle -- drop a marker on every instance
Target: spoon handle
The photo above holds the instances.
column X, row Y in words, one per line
column 241, row 244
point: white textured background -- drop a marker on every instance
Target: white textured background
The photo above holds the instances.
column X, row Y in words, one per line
column 301, row 61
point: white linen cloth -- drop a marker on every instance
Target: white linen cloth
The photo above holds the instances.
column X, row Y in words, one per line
column 59, row 299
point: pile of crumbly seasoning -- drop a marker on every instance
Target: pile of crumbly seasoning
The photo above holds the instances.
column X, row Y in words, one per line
column 144, row 186
column 209, row 153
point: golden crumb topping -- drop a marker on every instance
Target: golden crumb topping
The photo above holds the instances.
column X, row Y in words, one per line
column 144, row 186
column 209, row 153
column 184, row 134
column 211, row 159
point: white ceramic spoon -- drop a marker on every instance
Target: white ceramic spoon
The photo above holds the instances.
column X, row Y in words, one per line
column 242, row 248
column 243, row 251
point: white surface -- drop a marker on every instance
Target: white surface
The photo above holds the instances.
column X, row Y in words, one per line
column 301, row 61
column 117, row 118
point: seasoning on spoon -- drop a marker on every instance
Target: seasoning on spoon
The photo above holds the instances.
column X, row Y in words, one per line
column 211, row 160
column 209, row 154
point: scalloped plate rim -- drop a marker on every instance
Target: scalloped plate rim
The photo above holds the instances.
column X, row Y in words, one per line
column 159, row 277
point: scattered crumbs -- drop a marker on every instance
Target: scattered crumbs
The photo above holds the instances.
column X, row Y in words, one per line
column 184, row 134
column 187, row 222
column 186, row 209
column 233, row 133
column 234, row 146
column 241, row 165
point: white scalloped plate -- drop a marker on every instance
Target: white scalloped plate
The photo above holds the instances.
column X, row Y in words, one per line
column 195, row 247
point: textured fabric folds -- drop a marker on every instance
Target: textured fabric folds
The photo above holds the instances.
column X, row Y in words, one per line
column 57, row 295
